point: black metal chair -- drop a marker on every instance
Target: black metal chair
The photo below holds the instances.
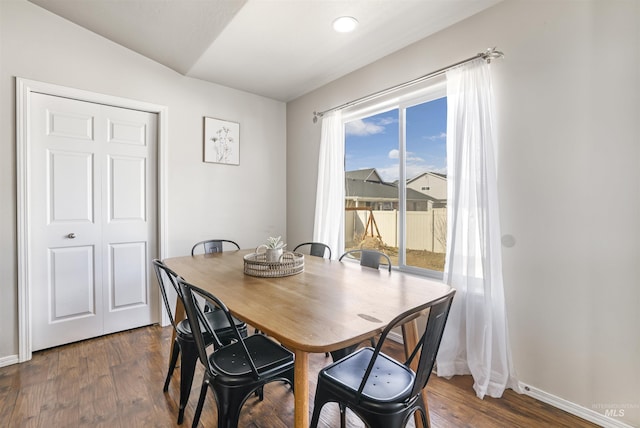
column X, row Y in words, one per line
column 236, row 370
column 381, row 391
column 368, row 258
column 317, row 249
column 184, row 344
column 213, row 245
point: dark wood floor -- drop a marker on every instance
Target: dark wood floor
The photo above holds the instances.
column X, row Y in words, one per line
column 116, row 381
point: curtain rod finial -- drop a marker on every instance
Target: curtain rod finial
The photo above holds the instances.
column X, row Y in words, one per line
column 490, row 54
column 316, row 115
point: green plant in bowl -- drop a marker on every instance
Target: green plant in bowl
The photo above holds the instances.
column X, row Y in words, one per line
column 275, row 243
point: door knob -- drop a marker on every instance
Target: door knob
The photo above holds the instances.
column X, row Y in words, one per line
column 71, row 235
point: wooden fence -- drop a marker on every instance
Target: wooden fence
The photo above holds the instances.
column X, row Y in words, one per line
column 426, row 230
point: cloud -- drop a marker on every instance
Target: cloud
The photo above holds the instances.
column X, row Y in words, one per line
column 442, row 136
column 387, row 121
column 389, row 173
column 395, row 154
column 411, row 157
column 361, row 128
column 416, row 169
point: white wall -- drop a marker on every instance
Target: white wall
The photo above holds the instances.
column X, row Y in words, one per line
column 568, row 100
column 245, row 203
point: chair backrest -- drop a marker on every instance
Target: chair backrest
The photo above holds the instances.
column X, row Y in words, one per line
column 430, row 341
column 369, row 258
column 427, row 346
column 317, row 249
column 197, row 321
column 166, row 275
column 213, row 245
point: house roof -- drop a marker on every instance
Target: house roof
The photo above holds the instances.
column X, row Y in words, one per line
column 379, row 191
column 368, row 174
column 367, row 184
column 436, row 174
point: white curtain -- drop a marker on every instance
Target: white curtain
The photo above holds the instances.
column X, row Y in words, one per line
column 327, row 226
column 475, row 340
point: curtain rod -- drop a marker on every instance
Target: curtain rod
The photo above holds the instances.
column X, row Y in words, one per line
column 487, row 55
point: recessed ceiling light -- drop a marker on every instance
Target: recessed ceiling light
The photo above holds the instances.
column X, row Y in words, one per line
column 345, row 24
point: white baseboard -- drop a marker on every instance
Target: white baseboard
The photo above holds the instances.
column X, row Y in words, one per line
column 8, row 360
column 396, row 337
column 560, row 403
column 580, row 411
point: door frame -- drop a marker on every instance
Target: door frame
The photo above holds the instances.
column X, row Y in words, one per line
column 24, row 89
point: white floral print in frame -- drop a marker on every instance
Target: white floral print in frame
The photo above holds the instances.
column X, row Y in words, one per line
column 221, row 141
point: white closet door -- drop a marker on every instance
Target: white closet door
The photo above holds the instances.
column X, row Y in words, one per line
column 128, row 229
column 92, row 223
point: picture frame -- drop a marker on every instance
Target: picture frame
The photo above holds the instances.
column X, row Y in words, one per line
column 221, row 141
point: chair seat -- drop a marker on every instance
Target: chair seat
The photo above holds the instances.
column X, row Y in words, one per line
column 389, row 381
column 218, row 322
column 266, row 354
column 381, row 391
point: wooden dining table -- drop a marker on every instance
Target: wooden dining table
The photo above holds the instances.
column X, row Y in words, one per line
column 328, row 306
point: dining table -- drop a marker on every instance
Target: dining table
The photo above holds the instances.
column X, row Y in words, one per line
column 329, row 305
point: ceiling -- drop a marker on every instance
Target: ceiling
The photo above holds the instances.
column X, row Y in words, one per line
column 280, row 49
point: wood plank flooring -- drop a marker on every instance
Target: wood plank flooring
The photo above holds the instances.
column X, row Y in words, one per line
column 116, row 381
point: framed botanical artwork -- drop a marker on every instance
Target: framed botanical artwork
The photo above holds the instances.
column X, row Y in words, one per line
column 221, row 141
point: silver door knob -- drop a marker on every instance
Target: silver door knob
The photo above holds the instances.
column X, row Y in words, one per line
column 71, row 235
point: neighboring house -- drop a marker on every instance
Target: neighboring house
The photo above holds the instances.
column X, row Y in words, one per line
column 433, row 185
column 364, row 188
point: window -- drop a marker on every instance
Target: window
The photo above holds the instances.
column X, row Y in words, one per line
column 396, row 181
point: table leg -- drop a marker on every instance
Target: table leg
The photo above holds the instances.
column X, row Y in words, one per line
column 410, row 336
column 301, row 390
column 179, row 316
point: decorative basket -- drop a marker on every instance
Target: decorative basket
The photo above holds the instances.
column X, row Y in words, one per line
column 256, row 264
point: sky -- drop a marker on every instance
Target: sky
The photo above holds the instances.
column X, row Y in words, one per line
column 372, row 142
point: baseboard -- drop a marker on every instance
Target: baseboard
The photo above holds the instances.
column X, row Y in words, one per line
column 580, row 411
column 9, row 360
column 396, row 337
column 560, row 403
